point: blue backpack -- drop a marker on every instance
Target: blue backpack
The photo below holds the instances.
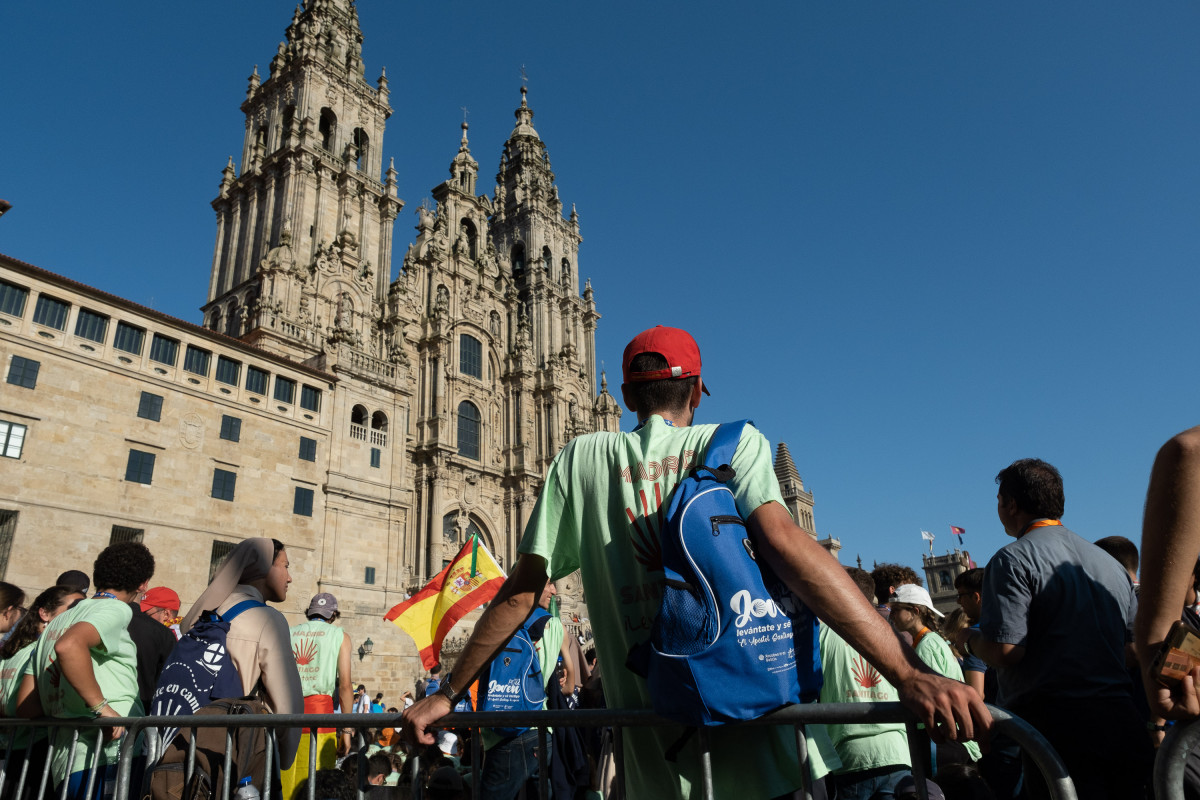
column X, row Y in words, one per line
column 730, row 641
column 513, row 680
column 199, row 669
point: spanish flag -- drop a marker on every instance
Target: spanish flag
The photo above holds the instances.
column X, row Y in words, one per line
column 469, row 581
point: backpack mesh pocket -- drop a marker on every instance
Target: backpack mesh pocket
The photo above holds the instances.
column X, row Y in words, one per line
column 683, row 626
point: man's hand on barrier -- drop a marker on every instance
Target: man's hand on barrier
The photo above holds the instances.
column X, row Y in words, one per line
column 951, row 711
column 115, row 732
column 417, row 718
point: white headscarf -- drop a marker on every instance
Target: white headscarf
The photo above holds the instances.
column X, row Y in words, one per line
column 250, row 560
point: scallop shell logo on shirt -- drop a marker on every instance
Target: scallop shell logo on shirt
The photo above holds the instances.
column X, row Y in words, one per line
column 306, row 653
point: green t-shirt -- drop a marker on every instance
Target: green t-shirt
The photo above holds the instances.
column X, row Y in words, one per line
column 316, row 645
column 599, row 512
column 115, row 665
column 849, row 678
column 936, row 653
column 12, row 670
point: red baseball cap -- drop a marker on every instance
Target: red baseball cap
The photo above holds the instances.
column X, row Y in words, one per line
column 674, row 344
column 160, row 597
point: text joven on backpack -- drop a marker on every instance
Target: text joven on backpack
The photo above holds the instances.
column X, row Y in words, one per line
column 730, row 640
column 513, row 680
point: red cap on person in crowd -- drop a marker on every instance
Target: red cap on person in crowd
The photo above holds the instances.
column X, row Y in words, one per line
column 674, row 344
column 160, row 597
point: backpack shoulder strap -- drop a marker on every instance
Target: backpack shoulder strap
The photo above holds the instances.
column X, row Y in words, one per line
column 537, row 623
column 234, row 611
column 724, row 443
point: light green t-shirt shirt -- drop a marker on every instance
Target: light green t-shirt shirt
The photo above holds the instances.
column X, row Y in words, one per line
column 115, row 665
column 12, row 672
column 316, row 645
column 936, row 653
column 599, row 512
column 850, row 678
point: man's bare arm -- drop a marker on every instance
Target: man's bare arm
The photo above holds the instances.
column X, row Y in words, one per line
column 821, row 582
column 345, row 692
column 73, row 655
column 1170, row 544
column 996, row 654
column 508, row 610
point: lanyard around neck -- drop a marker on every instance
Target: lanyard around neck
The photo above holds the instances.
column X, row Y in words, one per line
column 1041, row 523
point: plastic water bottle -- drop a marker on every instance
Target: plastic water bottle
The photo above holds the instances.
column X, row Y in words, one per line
column 246, row 790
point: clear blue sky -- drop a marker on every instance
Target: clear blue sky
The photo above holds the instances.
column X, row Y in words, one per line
column 915, row 241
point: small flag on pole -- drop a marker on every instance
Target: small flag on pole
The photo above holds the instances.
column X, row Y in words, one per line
column 929, row 537
column 957, row 531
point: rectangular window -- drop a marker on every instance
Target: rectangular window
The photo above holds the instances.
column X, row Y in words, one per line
column 224, row 482
column 120, row 534
column 23, row 372
column 231, row 428
column 140, row 467
column 370, row 576
column 8, row 528
column 219, row 551
column 375, row 457
column 228, row 370
column 90, row 325
column 12, row 299
column 310, row 398
column 308, row 449
column 129, row 338
column 470, row 356
column 164, row 350
column 196, row 361
column 256, row 380
column 303, row 503
column 285, row 390
column 12, row 439
column 50, row 312
column 150, row 406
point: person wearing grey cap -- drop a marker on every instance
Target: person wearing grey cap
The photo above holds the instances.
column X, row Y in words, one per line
column 322, row 652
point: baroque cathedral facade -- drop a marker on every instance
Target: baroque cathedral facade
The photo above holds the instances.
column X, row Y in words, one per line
column 477, row 360
column 372, row 406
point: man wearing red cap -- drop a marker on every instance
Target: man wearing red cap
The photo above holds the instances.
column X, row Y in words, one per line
column 599, row 512
column 154, row 640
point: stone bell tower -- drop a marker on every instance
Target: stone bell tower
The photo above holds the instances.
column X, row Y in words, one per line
column 304, row 229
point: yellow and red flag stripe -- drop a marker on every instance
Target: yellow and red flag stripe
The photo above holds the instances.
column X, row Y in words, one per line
column 467, row 582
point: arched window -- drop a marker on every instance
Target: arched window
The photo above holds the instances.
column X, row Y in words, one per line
column 214, row 320
column 362, row 144
column 470, row 356
column 358, row 423
column 232, row 326
column 518, row 261
column 566, row 272
column 547, row 261
column 468, row 430
column 328, row 129
column 379, row 426
column 945, row 579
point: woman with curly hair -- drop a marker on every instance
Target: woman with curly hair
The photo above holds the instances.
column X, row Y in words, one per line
column 84, row 666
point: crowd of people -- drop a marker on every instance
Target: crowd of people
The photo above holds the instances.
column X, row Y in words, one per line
column 1050, row 630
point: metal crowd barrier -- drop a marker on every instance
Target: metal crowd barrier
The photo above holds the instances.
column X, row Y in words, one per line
column 1171, row 760
column 798, row 717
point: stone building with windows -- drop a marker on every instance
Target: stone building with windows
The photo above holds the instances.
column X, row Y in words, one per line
column 371, row 419
column 370, row 414
column 940, row 572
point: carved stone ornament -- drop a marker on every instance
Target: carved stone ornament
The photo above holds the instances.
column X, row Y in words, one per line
column 191, row 431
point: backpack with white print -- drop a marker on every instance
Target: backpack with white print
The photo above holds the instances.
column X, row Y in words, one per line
column 513, row 680
column 730, row 641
